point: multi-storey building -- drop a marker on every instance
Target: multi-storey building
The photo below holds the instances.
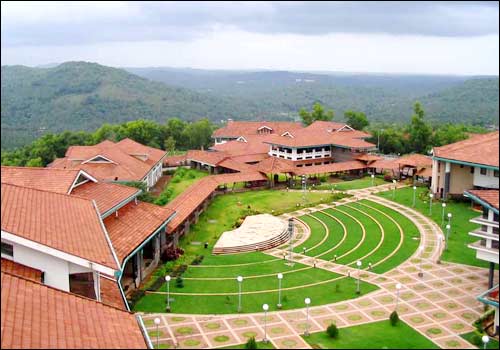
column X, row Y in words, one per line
column 467, row 164
column 233, row 130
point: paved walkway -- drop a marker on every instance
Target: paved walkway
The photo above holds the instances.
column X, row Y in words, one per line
column 440, row 305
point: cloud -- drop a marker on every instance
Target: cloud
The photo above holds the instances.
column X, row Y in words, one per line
column 49, row 23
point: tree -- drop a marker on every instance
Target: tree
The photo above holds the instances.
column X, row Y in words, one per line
column 169, row 144
column 199, row 134
column 317, row 113
column 35, row 162
column 394, row 318
column 357, row 120
column 420, row 132
column 251, row 343
column 332, row 330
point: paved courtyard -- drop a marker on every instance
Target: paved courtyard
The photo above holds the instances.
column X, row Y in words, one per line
column 440, row 305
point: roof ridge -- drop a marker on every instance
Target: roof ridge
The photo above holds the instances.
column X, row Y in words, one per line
column 46, row 191
column 65, row 292
column 38, row 168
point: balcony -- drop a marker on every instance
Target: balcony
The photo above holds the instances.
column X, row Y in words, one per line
column 483, row 234
column 483, row 221
column 485, row 253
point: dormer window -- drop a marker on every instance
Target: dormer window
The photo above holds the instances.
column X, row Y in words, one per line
column 264, row 130
column 287, row 134
column 98, row 159
column 241, row 139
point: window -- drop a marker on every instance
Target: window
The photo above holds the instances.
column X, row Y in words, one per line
column 472, row 170
column 495, row 173
column 483, row 171
column 7, row 249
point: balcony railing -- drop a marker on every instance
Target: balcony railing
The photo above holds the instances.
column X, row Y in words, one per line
column 482, row 221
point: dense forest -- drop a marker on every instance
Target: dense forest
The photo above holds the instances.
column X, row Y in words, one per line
column 82, row 96
column 417, row 135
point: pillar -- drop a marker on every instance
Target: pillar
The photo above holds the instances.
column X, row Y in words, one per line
column 447, row 173
column 491, row 275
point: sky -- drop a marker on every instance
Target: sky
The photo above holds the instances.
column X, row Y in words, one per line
column 459, row 38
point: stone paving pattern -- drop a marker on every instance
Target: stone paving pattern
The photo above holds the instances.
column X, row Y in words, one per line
column 440, row 305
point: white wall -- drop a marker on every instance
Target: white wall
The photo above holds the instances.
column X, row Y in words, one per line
column 488, row 180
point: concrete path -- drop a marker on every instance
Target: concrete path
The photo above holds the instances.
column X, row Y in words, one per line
column 440, row 305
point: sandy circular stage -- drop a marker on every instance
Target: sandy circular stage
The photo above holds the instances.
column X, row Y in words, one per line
column 257, row 232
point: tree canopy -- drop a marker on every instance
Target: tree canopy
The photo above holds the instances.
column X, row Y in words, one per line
column 357, row 120
column 317, row 113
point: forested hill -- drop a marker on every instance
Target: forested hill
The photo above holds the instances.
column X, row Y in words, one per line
column 83, row 96
column 78, row 95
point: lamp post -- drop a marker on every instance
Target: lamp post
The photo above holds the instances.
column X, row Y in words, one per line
column 304, row 250
column 307, row 301
column 414, row 195
column 442, row 214
column 280, row 277
column 304, row 187
column 378, row 139
column 449, row 218
column 373, row 177
column 157, row 323
column 167, row 278
column 239, row 279
column 440, row 238
column 398, row 288
column 421, row 251
column 358, row 263
column 394, row 189
column 448, row 227
column 485, row 340
column 430, row 203
column 265, row 307
column 290, row 229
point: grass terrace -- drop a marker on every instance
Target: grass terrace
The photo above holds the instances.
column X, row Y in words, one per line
column 180, row 181
column 459, row 237
column 363, row 231
column 352, row 184
column 376, row 335
column 476, row 340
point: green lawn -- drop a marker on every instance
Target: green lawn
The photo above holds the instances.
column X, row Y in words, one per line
column 352, row 184
column 492, row 344
column 225, row 210
column 458, row 251
column 260, row 345
column 180, row 181
column 349, row 248
column 377, row 335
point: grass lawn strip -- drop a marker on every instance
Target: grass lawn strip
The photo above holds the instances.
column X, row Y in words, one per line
column 492, row 344
column 375, row 335
column 382, row 231
column 460, row 225
column 344, row 233
column 245, row 277
column 387, row 251
column 319, row 244
column 353, row 238
column 360, row 225
column 318, row 233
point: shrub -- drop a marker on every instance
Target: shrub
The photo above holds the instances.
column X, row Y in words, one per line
column 135, row 296
column 179, row 282
column 394, row 318
column 197, row 260
column 387, row 177
column 251, row 343
column 171, row 253
column 179, row 270
column 332, row 330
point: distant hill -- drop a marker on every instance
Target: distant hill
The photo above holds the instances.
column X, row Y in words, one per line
column 80, row 95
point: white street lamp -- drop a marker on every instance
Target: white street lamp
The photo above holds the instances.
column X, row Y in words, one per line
column 157, row 323
column 414, row 194
column 239, row 279
column 280, row 277
column 421, row 251
column 448, row 227
column 442, row 215
column 304, row 250
column 307, row 301
column 485, row 340
column 394, row 189
column 373, row 177
column 167, row 278
column 358, row 263
column 265, row 307
column 398, row 288
column 440, row 239
column 449, row 218
column 430, row 203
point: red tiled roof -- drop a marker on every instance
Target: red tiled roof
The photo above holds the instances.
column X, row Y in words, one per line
column 232, row 164
column 134, row 223
column 106, row 195
column 239, row 128
column 325, row 125
column 415, row 160
column 38, row 316
column 274, row 165
column 251, row 158
column 368, row 157
column 254, row 144
column 488, row 196
column 385, row 164
column 330, row 168
column 174, row 160
column 318, row 134
column 54, row 180
column 110, row 293
column 63, row 222
column 479, row 149
column 425, row 172
column 207, row 157
column 20, row 270
column 126, row 156
column 193, row 196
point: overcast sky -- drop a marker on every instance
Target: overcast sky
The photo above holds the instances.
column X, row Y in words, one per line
column 411, row 37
